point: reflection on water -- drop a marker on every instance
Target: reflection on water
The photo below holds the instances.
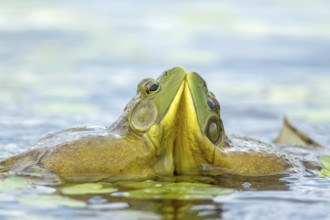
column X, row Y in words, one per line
column 70, row 64
column 249, row 200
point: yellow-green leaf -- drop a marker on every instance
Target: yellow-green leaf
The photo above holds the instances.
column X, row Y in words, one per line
column 325, row 161
column 325, row 172
column 88, row 188
column 14, row 183
column 139, row 185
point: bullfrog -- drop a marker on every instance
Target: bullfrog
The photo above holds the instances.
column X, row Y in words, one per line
column 171, row 127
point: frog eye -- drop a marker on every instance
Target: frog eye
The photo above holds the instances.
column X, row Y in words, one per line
column 214, row 130
column 152, row 87
column 211, row 104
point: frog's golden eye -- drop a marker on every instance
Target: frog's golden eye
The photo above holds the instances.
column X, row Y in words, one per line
column 213, row 130
column 152, row 87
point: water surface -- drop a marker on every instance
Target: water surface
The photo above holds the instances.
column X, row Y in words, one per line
column 68, row 64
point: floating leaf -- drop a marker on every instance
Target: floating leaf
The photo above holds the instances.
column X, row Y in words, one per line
column 88, row 188
column 50, row 201
column 325, row 161
column 324, row 172
column 14, row 183
column 139, row 185
column 179, row 191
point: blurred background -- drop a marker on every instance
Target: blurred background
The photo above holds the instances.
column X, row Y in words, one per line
column 74, row 63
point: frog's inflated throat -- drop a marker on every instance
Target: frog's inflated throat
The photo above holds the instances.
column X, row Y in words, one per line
column 171, row 127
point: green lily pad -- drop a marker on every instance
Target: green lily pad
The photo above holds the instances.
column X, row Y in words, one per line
column 88, row 188
column 14, row 183
column 324, row 172
column 177, row 191
column 325, row 161
column 139, row 185
column 50, row 201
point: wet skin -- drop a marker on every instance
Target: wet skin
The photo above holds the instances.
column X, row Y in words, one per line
column 171, row 127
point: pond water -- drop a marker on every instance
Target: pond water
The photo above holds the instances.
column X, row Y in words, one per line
column 67, row 64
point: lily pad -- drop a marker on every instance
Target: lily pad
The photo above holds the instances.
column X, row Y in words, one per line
column 177, row 191
column 88, row 188
column 50, row 201
column 325, row 172
column 139, row 185
column 14, row 183
column 325, row 161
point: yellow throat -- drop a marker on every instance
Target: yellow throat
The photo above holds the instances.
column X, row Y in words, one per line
column 184, row 148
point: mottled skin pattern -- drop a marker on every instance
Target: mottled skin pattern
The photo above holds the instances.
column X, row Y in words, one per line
column 110, row 154
column 252, row 161
column 91, row 158
column 172, row 127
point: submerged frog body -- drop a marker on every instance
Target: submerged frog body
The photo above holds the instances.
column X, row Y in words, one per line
column 171, row 127
column 138, row 145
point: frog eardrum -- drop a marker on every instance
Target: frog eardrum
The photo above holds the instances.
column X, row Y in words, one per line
column 143, row 115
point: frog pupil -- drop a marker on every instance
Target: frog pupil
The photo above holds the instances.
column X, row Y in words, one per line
column 153, row 87
column 210, row 104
